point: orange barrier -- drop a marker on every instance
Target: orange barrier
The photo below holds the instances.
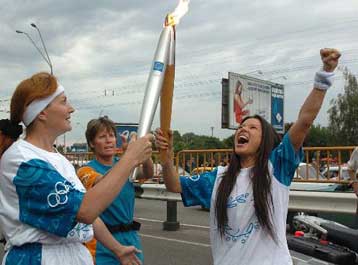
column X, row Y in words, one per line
column 321, row 164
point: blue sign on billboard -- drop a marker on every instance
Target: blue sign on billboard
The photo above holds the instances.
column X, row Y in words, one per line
column 125, row 130
column 277, row 108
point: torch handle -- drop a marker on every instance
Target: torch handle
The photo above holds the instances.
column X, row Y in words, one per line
column 166, row 102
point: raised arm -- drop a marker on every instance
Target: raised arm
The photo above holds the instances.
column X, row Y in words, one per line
column 170, row 176
column 313, row 103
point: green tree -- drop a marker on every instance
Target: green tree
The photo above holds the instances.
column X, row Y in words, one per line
column 60, row 148
column 178, row 143
column 193, row 141
column 229, row 141
column 343, row 113
column 189, row 139
column 317, row 136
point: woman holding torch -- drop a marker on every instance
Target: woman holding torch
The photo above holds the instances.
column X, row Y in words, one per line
column 45, row 212
column 101, row 137
column 248, row 200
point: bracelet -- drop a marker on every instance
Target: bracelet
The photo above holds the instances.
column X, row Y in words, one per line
column 323, row 80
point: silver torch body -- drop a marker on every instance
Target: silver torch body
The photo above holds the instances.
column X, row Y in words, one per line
column 154, row 84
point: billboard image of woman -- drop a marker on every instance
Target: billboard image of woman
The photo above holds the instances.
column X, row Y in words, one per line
column 240, row 104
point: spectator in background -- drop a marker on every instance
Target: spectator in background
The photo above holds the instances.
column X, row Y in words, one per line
column 190, row 165
column 316, row 160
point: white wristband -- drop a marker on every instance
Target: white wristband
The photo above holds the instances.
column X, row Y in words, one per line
column 323, row 80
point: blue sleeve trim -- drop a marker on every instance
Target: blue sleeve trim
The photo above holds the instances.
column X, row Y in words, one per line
column 285, row 160
column 197, row 189
column 30, row 253
column 46, row 199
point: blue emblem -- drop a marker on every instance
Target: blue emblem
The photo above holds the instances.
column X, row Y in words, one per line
column 158, row 66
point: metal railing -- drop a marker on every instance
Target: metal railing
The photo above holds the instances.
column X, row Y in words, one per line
column 300, row 201
column 325, row 164
column 321, row 164
column 80, row 159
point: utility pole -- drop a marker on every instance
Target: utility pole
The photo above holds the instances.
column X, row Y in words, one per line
column 64, row 143
column 212, row 131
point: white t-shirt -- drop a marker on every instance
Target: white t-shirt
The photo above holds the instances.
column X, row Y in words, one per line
column 40, row 195
column 244, row 241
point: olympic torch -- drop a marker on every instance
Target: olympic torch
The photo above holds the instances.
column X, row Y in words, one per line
column 161, row 75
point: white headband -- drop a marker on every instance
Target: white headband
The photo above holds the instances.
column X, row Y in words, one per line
column 38, row 105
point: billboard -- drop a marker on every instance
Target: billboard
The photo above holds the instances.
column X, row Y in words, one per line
column 125, row 130
column 277, row 100
column 249, row 96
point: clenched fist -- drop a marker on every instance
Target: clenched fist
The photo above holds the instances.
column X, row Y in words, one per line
column 330, row 59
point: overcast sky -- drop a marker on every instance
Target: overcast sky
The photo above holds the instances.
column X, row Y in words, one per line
column 109, row 45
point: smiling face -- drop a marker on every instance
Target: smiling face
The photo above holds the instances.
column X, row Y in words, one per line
column 57, row 115
column 104, row 143
column 248, row 138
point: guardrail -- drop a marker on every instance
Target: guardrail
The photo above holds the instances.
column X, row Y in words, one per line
column 300, row 201
column 323, row 202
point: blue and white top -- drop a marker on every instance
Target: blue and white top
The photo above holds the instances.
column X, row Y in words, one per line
column 40, row 195
column 245, row 242
column 120, row 211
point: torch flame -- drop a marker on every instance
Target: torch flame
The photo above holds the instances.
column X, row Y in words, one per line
column 173, row 18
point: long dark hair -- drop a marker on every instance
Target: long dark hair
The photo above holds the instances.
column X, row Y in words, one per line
column 261, row 181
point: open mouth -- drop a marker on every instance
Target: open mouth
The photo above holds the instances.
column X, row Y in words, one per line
column 242, row 139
